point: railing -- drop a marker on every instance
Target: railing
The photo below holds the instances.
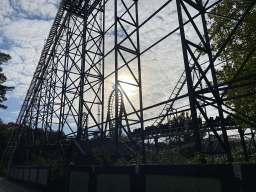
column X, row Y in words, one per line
column 154, row 177
column 144, row 177
column 35, row 176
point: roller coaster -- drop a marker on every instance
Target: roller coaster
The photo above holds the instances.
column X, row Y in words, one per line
column 94, row 42
column 185, row 126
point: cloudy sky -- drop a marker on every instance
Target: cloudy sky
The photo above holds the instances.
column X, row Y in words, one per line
column 25, row 26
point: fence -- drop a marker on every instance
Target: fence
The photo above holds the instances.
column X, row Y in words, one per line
column 153, row 178
column 35, row 176
column 145, row 178
column 247, row 176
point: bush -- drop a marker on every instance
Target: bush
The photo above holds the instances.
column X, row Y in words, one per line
column 102, row 156
column 57, row 168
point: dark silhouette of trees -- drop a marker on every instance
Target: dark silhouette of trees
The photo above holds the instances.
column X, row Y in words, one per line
column 3, row 89
column 5, row 134
column 241, row 46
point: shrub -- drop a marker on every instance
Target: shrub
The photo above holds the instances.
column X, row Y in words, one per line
column 102, row 156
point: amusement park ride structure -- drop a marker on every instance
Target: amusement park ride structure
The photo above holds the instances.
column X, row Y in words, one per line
column 68, row 88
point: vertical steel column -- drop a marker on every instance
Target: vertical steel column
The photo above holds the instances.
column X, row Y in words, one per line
column 64, row 80
column 140, row 85
column 30, row 119
column 191, row 91
column 210, row 141
column 45, row 109
column 81, row 93
column 241, row 132
column 52, row 88
column 37, row 116
column 116, row 84
column 156, row 145
column 48, row 105
column 50, row 96
column 103, row 69
column 215, row 83
column 253, row 140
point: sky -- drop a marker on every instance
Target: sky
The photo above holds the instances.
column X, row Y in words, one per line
column 25, row 25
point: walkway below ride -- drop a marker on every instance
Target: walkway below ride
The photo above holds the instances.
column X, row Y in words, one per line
column 7, row 185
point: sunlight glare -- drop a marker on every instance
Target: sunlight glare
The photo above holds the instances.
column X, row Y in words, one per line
column 129, row 89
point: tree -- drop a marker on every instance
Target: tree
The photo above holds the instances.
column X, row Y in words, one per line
column 224, row 17
column 5, row 133
column 188, row 137
column 3, row 59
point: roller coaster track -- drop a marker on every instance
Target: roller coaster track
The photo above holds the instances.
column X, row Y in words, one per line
column 48, row 51
column 169, row 106
column 175, row 93
column 42, row 66
column 83, row 9
column 215, row 145
column 111, row 112
column 33, row 91
column 180, row 131
column 111, row 120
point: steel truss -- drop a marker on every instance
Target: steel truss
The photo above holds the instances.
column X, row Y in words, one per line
column 69, row 80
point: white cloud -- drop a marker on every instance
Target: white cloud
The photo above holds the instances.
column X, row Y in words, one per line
column 26, row 40
column 5, row 8
column 4, row 20
column 15, row 112
column 30, row 8
column 24, row 32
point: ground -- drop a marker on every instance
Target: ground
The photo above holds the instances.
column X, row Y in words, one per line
column 7, row 185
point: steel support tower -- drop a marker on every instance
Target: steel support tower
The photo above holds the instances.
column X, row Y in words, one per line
column 94, row 41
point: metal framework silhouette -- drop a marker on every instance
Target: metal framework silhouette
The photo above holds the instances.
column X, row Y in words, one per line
column 70, row 80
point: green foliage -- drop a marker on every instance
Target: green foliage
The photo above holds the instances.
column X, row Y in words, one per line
column 57, row 170
column 102, row 156
column 252, row 160
column 5, row 133
column 188, row 136
column 29, row 140
column 122, row 161
column 134, row 161
column 57, row 165
column 153, row 158
column 181, row 117
column 220, row 27
column 3, row 89
column 234, row 54
column 239, row 158
column 168, row 157
column 200, row 158
column 223, row 160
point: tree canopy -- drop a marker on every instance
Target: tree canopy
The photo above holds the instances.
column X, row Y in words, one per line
column 3, row 89
column 239, row 55
column 5, row 133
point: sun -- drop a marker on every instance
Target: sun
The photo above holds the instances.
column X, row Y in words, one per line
column 128, row 89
